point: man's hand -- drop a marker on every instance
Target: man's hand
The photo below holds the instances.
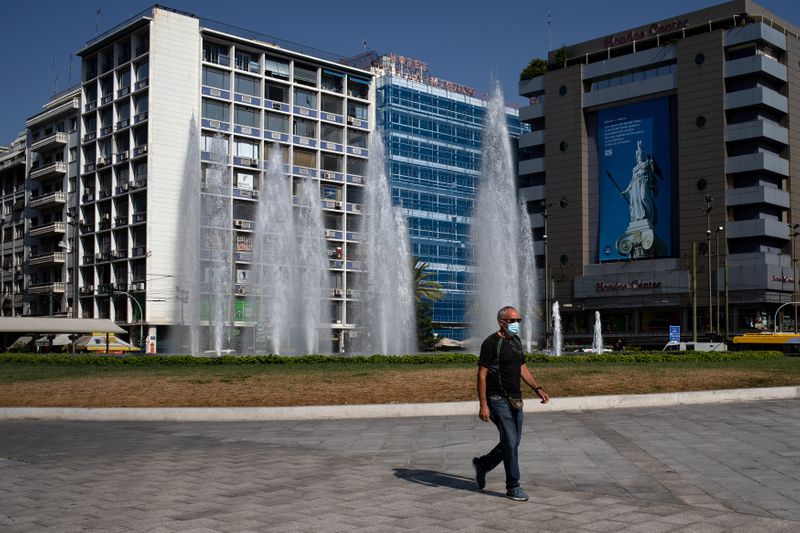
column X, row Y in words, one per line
column 543, row 395
column 483, row 414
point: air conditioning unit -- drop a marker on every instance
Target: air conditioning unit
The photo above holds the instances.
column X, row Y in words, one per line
column 330, row 233
column 98, row 257
column 351, row 120
column 326, row 175
column 106, row 217
column 338, row 205
column 255, row 194
column 114, row 253
column 337, row 292
column 214, row 123
column 132, row 184
column 124, row 155
column 124, row 186
column 238, row 223
column 143, row 149
column 276, row 105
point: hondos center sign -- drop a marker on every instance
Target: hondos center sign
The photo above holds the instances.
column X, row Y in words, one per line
column 645, row 32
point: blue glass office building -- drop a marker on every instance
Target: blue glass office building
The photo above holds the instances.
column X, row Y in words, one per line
column 432, row 130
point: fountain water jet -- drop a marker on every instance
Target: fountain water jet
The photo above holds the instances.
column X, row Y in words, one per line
column 218, row 240
column 557, row 343
column 500, row 234
column 597, row 339
column 387, row 314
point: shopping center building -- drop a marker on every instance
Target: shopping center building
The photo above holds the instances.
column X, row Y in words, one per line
column 658, row 174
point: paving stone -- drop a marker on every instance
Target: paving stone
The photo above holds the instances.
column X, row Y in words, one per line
column 730, row 467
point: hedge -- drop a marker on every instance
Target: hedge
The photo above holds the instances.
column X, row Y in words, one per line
column 421, row 359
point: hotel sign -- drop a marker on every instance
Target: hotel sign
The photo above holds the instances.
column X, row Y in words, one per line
column 645, row 32
column 625, row 286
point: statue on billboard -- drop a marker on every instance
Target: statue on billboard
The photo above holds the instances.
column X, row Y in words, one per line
column 643, row 187
column 640, row 240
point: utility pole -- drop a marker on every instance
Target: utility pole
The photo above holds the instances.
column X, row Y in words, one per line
column 794, row 233
column 694, row 292
column 725, row 270
column 716, row 277
column 547, row 324
column 707, row 210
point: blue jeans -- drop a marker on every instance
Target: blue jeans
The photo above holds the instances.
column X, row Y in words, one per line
column 509, row 424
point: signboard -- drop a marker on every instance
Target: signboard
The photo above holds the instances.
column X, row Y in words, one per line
column 674, row 334
column 634, row 150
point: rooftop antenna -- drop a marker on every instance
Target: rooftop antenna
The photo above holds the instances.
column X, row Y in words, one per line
column 69, row 70
column 97, row 21
column 549, row 32
column 364, row 44
column 55, row 75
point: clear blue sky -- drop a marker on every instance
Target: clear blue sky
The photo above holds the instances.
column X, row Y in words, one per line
column 465, row 41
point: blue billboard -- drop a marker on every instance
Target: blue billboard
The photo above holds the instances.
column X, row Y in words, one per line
column 634, row 152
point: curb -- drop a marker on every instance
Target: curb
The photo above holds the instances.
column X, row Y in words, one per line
column 338, row 412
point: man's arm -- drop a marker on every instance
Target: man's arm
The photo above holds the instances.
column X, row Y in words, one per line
column 483, row 413
column 528, row 378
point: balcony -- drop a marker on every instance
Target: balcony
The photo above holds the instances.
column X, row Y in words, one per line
column 46, row 288
column 138, row 251
column 141, row 84
column 122, row 124
column 756, row 64
column 139, row 218
column 53, row 228
column 56, row 140
column 758, row 194
column 120, row 253
column 758, row 228
column 106, row 130
column 105, row 193
column 121, row 221
column 90, row 136
column 140, row 150
column 141, row 117
column 125, row 91
column 757, row 96
column 49, row 200
column 756, row 129
column 59, row 168
column 48, row 258
column 762, row 161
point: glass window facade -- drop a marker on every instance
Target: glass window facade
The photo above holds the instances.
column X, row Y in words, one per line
column 433, row 143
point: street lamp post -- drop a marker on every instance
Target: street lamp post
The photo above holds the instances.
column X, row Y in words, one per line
column 547, row 294
column 141, row 314
column 716, row 285
column 794, row 234
column 707, row 210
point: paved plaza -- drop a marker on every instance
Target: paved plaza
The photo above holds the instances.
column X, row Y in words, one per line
column 731, row 467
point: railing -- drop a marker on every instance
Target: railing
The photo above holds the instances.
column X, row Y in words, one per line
column 60, row 137
column 59, row 167
column 45, row 229
column 47, row 199
column 43, row 288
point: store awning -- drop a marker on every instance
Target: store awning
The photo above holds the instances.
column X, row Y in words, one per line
column 58, row 325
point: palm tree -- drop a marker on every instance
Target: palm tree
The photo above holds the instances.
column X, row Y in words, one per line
column 424, row 287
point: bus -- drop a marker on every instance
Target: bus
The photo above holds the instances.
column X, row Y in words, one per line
column 788, row 343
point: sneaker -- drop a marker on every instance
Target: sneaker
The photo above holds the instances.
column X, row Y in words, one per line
column 480, row 473
column 517, row 494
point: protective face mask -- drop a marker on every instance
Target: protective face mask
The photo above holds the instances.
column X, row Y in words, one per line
column 513, row 328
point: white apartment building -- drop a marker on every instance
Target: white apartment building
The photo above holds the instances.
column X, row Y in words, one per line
column 143, row 85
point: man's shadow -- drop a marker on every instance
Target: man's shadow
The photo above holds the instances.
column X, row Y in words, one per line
column 432, row 478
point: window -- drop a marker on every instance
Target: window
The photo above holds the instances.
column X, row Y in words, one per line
column 305, row 128
column 216, row 78
column 277, row 93
column 140, row 170
column 141, row 104
column 357, row 88
column 214, row 53
column 247, row 61
column 356, row 166
column 73, row 124
column 305, row 158
column 124, row 79
column 331, row 133
column 142, row 70
column 332, row 104
column 276, row 122
column 305, row 75
column 124, row 110
column 357, row 138
column 243, row 148
column 276, row 67
column 332, row 81
column 305, row 98
column 215, row 110
column 247, row 116
column 208, row 142
column 359, row 111
column 73, row 154
column 332, row 162
column 247, row 85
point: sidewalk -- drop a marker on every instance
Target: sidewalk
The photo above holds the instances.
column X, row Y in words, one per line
column 341, row 412
column 715, row 467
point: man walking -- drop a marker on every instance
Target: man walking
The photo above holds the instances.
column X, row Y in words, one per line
column 500, row 368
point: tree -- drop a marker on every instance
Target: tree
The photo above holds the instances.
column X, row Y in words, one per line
column 424, row 287
column 537, row 67
column 426, row 290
